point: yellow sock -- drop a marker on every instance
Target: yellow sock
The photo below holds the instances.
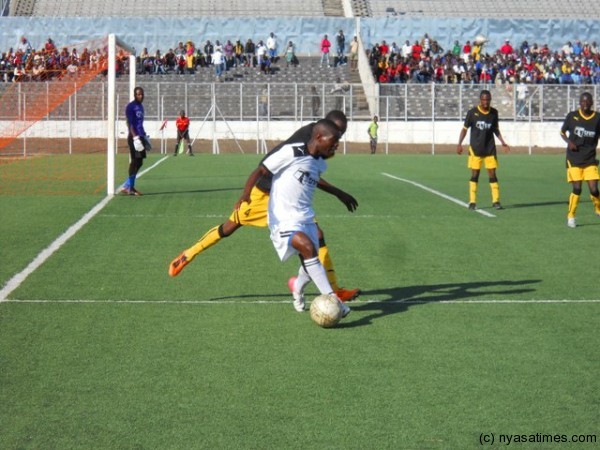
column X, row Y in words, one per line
column 596, row 202
column 495, row 192
column 328, row 264
column 211, row 237
column 573, row 202
column 472, row 192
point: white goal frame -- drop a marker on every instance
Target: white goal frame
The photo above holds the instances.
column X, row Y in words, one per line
column 111, row 148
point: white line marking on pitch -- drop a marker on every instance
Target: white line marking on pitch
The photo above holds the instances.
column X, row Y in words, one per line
column 20, row 277
column 286, row 302
column 441, row 194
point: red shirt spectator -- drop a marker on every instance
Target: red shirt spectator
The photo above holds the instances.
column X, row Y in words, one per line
column 467, row 48
column 325, row 44
column 506, row 49
column 384, row 48
column 416, row 50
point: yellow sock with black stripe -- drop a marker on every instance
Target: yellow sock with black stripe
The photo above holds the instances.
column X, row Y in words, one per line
column 211, row 237
column 573, row 203
column 596, row 202
column 328, row 265
column 495, row 192
column 472, row 191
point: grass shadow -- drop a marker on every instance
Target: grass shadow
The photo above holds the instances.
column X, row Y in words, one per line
column 401, row 298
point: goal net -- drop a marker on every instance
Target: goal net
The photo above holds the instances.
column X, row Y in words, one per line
column 57, row 116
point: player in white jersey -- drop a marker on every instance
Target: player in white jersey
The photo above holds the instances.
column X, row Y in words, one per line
column 296, row 170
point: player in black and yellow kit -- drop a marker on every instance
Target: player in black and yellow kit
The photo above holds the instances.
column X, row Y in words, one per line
column 254, row 213
column 581, row 130
column 483, row 122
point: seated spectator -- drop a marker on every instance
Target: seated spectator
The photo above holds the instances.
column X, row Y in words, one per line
column 238, row 51
column 37, row 71
column 84, row 58
column 71, row 70
column 181, row 63
column 249, row 50
column 19, row 74
column 200, row 59
column 229, row 52
column 94, row 59
column 159, row 63
column 436, row 48
column 265, row 64
column 170, row 60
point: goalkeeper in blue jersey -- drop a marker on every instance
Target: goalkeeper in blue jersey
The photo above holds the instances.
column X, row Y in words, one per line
column 136, row 139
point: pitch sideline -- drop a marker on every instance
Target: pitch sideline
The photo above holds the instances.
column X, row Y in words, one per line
column 438, row 193
column 288, row 302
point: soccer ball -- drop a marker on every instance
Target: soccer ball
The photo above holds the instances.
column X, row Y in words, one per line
column 325, row 311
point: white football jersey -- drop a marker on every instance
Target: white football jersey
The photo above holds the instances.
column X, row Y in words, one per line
column 295, row 177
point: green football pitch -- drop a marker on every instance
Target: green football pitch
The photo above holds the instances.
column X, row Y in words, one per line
column 474, row 328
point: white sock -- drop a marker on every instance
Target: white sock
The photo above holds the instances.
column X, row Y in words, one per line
column 317, row 274
column 302, row 280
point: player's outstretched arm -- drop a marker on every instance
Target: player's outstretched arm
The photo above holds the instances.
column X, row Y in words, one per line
column 350, row 202
column 250, row 182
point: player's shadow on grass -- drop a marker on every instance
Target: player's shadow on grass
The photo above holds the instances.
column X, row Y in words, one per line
column 533, row 205
column 401, row 298
column 195, row 191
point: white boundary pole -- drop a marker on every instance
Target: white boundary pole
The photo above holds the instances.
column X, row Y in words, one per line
column 111, row 117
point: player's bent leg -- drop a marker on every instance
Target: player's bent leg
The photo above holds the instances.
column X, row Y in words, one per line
column 210, row 238
column 345, row 295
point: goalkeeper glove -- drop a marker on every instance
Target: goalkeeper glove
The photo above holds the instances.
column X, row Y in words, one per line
column 138, row 144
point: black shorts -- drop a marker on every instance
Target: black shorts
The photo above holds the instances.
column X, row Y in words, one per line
column 183, row 135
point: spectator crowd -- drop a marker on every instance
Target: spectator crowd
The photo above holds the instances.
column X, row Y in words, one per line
column 25, row 63
column 424, row 61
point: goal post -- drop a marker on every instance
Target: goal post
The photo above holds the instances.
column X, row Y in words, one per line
column 111, row 149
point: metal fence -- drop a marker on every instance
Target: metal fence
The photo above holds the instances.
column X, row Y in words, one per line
column 304, row 101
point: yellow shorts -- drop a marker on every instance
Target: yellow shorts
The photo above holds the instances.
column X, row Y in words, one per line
column 582, row 173
column 253, row 213
column 476, row 162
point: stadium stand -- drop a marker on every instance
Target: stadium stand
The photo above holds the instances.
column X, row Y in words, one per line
column 517, row 9
column 191, row 8
column 289, row 88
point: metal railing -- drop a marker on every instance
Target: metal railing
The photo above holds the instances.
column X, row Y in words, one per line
column 298, row 101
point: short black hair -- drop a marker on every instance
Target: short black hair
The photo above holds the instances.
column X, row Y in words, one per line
column 326, row 127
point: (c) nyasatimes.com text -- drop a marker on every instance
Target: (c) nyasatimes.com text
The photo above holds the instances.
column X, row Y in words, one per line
column 538, row 438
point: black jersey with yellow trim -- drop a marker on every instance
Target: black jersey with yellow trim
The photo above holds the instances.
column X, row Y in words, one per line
column 302, row 135
column 484, row 126
column 584, row 132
